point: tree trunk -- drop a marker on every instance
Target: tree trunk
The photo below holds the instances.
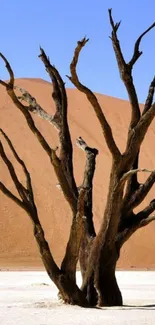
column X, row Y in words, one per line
column 105, row 280
column 109, row 292
column 86, row 245
column 102, row 288
column 88, row 289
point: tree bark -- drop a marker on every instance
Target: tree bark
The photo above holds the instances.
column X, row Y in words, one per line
column 88, row 289
column 105, row 280
column 102, row 288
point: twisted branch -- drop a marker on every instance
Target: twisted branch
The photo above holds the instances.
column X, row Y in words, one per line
column 93, row 100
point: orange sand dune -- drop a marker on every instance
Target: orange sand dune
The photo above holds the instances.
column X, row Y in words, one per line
column 17, row 245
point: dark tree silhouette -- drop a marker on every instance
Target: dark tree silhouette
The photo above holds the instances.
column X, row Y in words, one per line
column 97, row 253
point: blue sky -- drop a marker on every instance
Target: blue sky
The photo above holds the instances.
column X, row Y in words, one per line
column 57, row 25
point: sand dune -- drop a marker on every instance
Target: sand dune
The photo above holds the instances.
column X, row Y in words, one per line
column 17, row 245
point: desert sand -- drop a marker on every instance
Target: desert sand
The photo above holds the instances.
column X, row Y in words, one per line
column 31, row 298
column 17, row 245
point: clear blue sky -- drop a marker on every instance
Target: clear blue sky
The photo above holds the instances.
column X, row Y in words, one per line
column 57, row 25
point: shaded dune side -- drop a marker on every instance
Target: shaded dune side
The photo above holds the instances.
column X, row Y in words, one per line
column 17, row 245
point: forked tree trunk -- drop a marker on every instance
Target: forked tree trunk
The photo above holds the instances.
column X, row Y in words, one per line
column 101, row 256
column 69, row 291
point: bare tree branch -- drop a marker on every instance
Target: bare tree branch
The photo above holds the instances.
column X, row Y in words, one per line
column 10, row 90
column 10, row 195
column 60, row 97
column 3, row 83
column 140, row 130
column 145, row 213
column 139, row 195
column 35, row 108
column 132, row 182
column 137, row 53
column 146, row 221
column 125, row 74
column 132, row 172
column 94, row 102
column 149, row 99
column 29, row 206
column 138, row 125
column 10, row 71
column 70, row 197
column 137, row 136
column 89, row 171
column 20, row 188
column 59, row 93
column 134, row 222
column 21, row 162
column 124, row 235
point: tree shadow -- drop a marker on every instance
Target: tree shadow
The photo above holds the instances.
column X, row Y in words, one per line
column 141, row 307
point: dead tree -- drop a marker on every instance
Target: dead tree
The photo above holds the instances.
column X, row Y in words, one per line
column 97, row 253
